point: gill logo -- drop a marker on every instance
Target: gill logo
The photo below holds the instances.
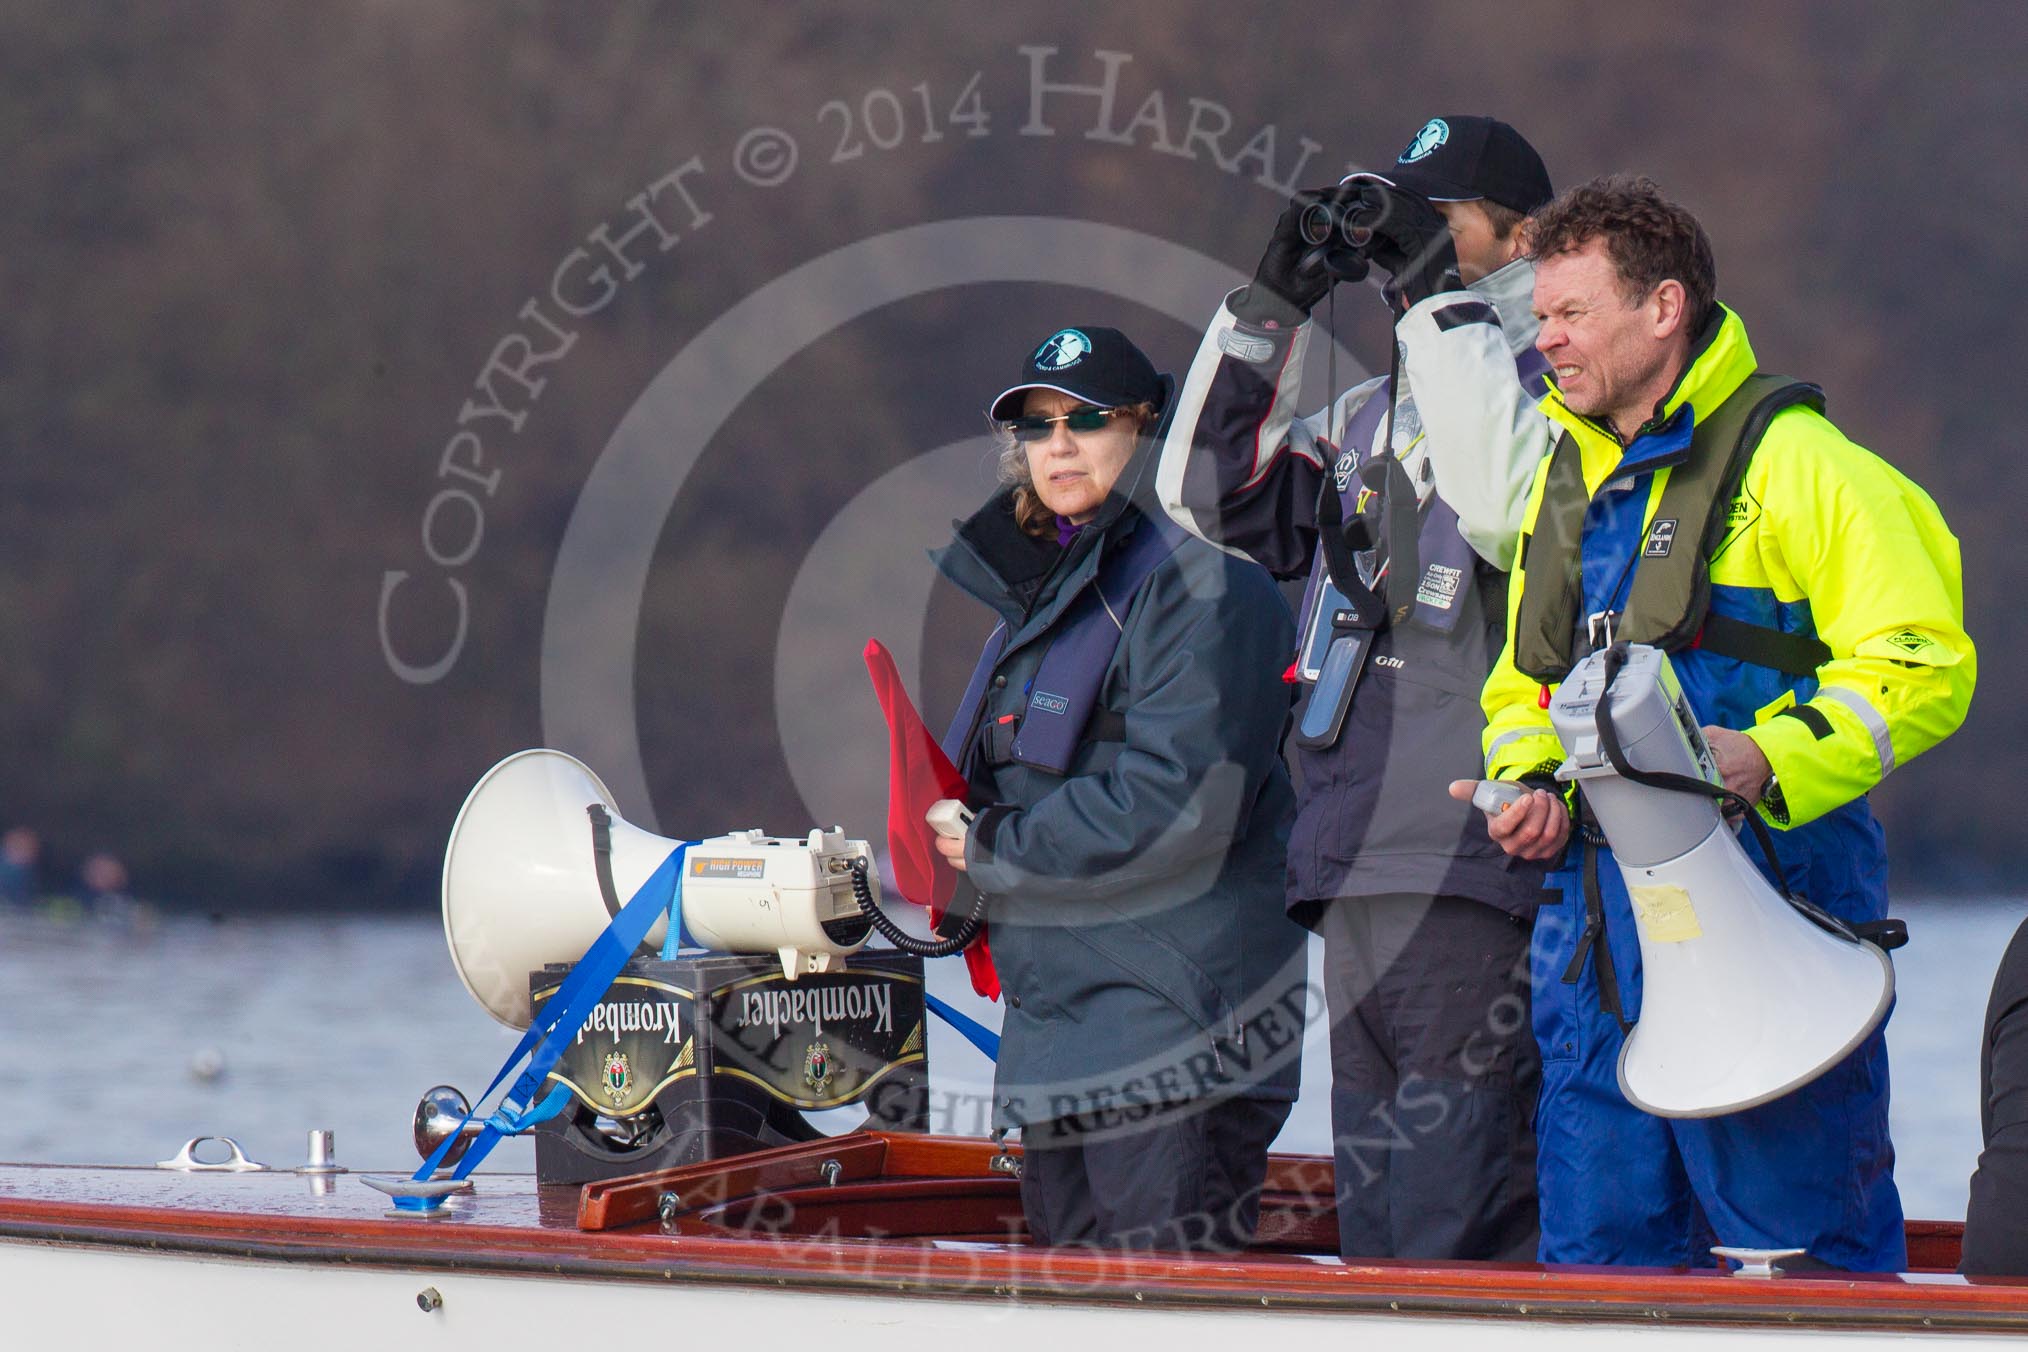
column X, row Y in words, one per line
column 1434, row 133
column 1062, row 350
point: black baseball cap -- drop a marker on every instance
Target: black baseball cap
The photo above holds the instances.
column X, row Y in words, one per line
column 1464, row 159
column 1099, row 366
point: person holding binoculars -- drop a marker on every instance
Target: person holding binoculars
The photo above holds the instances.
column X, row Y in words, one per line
column 1401, row 502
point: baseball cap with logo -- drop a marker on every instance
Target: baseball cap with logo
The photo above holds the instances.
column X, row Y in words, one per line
column 1464, row 159
column 1099, row 366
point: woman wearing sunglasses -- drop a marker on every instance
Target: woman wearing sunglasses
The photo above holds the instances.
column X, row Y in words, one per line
column 1120, row 737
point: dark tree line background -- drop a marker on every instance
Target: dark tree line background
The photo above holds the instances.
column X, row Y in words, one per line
column 252, row 257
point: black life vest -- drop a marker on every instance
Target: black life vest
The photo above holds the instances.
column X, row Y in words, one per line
column 1427, row 558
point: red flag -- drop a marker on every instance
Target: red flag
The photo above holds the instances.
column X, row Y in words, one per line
column 919, row 773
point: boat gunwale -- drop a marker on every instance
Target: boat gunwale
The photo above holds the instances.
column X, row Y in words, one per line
column 632, row 1250
column 1484, row 1291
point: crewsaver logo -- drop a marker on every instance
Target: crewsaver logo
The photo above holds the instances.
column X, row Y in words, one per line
column 1434, row 133
column 1062, row 350
column 1911, row 642
column 1341, row 473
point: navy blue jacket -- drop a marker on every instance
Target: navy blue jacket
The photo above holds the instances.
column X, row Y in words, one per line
column 1136, row 902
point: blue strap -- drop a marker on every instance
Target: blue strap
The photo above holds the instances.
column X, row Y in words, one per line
column 975, row 697
column 510, row 1123
column 974, row 1032
column 676, row 937
column 552, row 1029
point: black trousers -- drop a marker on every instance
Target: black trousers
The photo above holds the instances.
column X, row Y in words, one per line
column 1434, row 1075
column 1186, row 1177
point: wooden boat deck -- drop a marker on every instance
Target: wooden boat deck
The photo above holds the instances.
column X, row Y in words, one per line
column 926, row 1216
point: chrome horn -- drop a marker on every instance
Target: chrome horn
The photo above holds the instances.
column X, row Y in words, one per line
column 437, row 1117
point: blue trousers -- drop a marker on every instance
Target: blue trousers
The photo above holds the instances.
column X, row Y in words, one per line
column 1813, row 1169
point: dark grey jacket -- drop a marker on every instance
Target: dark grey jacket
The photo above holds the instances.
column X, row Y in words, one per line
column 1240, row 469
column 1136, row 903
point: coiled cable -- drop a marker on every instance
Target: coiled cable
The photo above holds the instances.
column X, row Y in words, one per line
column 941, row 947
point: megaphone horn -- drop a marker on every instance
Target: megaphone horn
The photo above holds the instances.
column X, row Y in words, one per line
column 1743, row 998
column 522, row 885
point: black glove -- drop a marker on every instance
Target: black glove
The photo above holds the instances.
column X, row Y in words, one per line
column 1295, row 272
column 1411, row 244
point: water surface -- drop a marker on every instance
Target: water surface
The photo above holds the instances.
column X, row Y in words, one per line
column 118, row 1042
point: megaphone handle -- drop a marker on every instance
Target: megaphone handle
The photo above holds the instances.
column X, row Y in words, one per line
column 949, row 818
column 1494, row 796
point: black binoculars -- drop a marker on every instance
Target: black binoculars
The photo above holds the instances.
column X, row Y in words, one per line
column 1348, row 220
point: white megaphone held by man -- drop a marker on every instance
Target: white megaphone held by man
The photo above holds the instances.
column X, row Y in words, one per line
column 1746, row 994
column 523, row 884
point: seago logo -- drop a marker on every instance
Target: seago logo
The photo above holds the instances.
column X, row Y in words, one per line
column 1434, row 133
column 1047, row 703
column 1062, row 350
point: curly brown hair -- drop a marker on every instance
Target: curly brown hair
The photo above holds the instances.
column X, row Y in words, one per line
column 1649, row 239
column 1029, row 513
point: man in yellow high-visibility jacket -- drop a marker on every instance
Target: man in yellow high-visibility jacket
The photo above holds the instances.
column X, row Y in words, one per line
column 1812, row 601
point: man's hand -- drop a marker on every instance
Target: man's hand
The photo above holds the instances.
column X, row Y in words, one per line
column 1537, row 827
column 952, row 848
column 1411, row 242
column 1741, row 763
column 1292, row 276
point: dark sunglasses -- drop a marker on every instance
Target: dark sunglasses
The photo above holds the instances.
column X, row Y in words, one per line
column 1034, row 428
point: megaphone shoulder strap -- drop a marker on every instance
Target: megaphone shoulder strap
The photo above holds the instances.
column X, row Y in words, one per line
column 1591, row 942
column 602, row 856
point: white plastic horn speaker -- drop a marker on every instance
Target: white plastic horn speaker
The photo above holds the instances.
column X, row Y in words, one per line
column 521, row 888
column 1743, row 998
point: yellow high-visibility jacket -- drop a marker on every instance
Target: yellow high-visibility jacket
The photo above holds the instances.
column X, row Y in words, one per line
column 1825, row 539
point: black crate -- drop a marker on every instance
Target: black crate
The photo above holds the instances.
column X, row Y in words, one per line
column 718, row 1054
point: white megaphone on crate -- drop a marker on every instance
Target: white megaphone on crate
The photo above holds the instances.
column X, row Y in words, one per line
column 522, row 888
column 1745, row 994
